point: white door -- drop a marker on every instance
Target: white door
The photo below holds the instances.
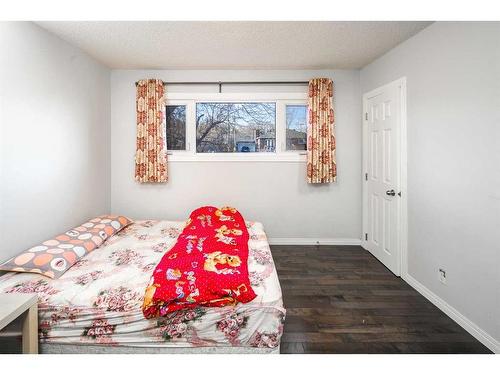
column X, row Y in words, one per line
column 382, row 175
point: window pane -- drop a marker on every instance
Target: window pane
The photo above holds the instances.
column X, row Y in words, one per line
column 235, row 127
column 175, row 116
column 296, row 127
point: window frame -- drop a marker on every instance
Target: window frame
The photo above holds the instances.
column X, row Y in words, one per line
column 293, row 102
column 280, row 155
column 188, row 105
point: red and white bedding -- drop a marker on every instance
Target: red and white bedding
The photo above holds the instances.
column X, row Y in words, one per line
column 98, row 301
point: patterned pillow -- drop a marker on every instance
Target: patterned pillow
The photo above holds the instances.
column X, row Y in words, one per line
column 55, row 256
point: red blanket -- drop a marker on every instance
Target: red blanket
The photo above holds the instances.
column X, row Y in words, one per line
column 206, row 267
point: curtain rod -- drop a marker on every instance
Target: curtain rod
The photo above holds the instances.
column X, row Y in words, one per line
column 220, row 83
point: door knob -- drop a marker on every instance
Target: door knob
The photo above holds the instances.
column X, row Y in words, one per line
column 390, row 192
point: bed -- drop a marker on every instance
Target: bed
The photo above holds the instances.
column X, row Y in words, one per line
column 95, row 307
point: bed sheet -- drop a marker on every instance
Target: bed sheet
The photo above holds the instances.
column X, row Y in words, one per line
column 98, row 301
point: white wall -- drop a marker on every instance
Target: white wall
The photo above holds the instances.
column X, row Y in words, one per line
column 274, row 193
column 453, row 83
column 54, row 139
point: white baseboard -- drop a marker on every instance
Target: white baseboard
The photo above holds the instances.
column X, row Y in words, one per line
column 314, row 241
column 464, row 322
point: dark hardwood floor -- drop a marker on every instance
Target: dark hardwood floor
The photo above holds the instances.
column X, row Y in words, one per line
column 340, row 299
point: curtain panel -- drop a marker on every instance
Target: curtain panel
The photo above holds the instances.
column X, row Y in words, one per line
column 151, row 155
column 321, row 163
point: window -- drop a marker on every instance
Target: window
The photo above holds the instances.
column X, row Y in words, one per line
column 237, row 126
column 296, row 127
column 231, row 127
column 175, row 119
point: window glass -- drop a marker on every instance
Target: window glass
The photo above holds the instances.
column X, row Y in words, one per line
column 296, row 127
column 235, row 127
column 175, row 116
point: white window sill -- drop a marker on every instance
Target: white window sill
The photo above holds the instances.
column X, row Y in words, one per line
column 283, row 157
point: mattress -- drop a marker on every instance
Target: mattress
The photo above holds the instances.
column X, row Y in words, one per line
column 98, row 301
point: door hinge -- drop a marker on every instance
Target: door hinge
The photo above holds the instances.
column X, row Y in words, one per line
column 366, row 236
column 366, row 176
column 366, row 116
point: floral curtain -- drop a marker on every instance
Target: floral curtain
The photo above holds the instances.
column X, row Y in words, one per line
column 151, row 155
column 321, row 164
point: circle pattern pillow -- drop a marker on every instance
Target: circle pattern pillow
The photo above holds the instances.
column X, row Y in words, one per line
column 55, row 256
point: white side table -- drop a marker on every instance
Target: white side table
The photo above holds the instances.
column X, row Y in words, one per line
column 14, row 305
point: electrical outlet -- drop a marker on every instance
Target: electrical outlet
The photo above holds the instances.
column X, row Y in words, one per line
column 442, row 276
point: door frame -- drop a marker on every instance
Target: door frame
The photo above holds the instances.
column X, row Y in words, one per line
column 402, row 170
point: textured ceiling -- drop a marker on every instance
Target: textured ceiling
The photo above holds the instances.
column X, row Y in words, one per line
column 235, row 45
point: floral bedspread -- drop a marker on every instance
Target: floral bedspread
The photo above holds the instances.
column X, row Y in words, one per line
column 98, row 301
